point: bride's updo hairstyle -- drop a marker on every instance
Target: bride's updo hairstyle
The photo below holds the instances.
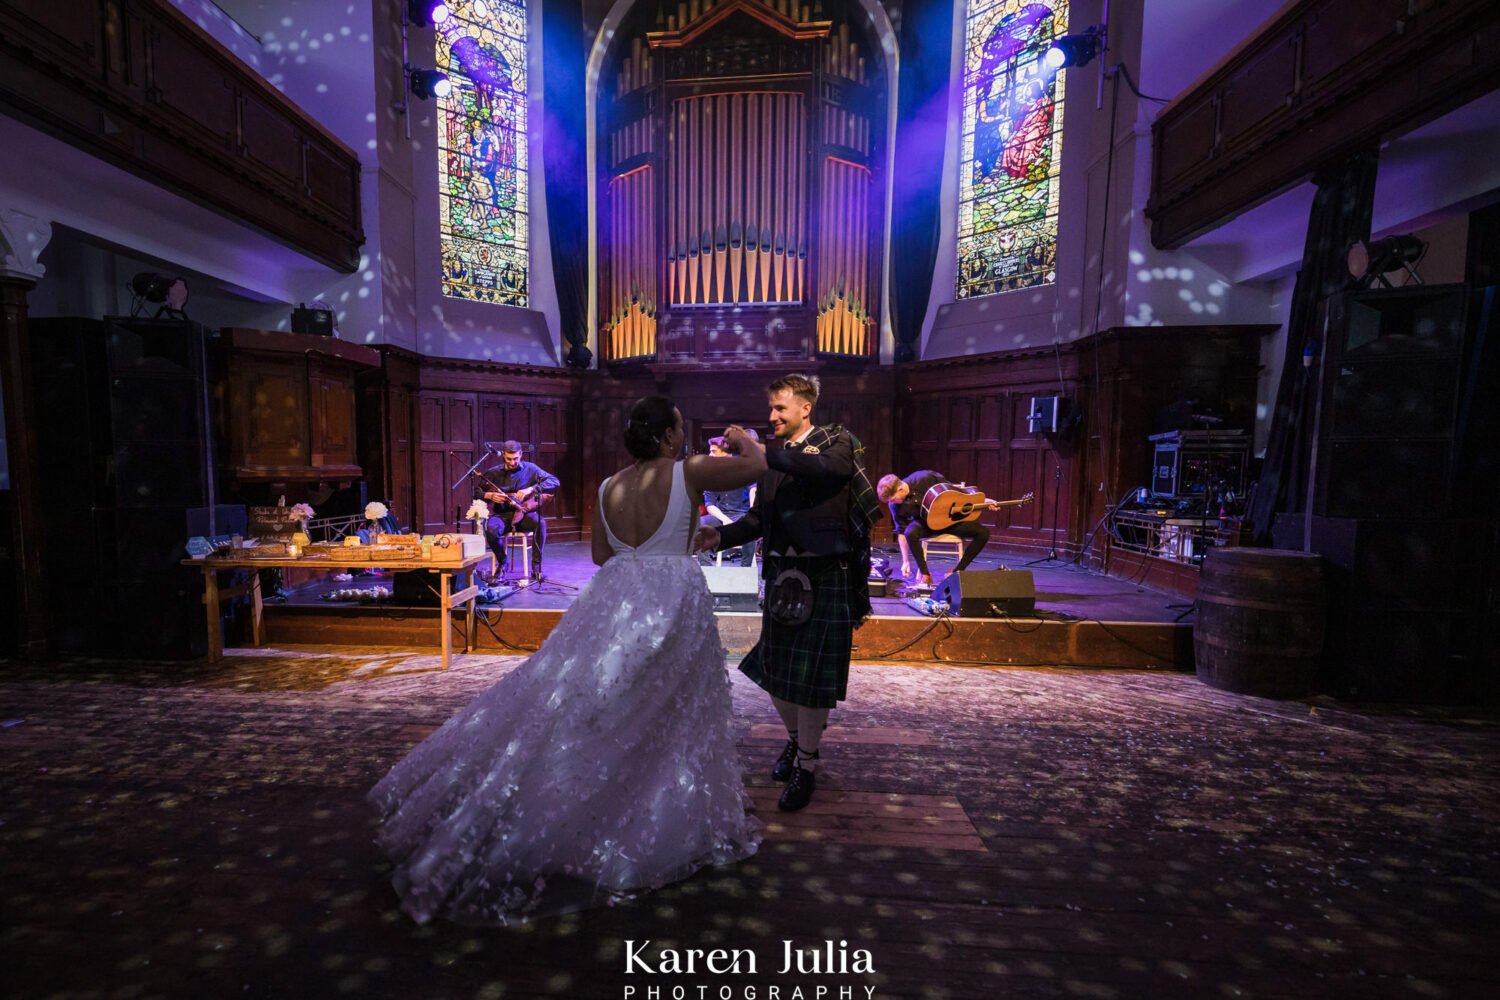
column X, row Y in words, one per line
column 650, row 419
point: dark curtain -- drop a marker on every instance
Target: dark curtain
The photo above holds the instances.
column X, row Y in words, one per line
column 564, row 156
column 926, row 38
column 1340, row 215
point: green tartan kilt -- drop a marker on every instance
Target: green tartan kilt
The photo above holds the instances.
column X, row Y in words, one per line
column 808, row 664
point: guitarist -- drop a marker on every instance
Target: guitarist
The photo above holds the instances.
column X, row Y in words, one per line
column 905, row 499
column 526, row 485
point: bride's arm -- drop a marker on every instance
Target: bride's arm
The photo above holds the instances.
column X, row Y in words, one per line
column 601, row 548
column 708, row 474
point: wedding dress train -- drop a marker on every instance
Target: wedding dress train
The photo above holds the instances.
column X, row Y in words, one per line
column 603, row 765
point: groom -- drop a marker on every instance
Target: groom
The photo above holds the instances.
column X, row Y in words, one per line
column 814, row 507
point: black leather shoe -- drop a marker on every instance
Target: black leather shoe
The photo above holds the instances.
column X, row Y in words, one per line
column 786, row 763
column 798, row 791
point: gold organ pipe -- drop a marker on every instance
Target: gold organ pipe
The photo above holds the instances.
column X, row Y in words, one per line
column 762, row 181
column 633, row 249
column 692, row 199
column 864, row 263
column 799, row 117
column 736, row 194
column 721, row 193
column 706, row 202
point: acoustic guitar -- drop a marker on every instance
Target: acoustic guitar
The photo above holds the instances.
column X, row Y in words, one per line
column 946, row 504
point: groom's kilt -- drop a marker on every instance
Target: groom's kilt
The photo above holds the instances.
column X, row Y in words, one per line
column 807, row 664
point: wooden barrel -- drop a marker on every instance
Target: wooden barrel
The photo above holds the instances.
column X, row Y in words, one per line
column 1260, row 621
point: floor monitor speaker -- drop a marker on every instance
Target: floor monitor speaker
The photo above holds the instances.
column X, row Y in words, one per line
column 735, row 588
column 1007, row 593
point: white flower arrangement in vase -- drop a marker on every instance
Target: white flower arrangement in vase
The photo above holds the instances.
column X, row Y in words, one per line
column 375, row 512
column 479, row 512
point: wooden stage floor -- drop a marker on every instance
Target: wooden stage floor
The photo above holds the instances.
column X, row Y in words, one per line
column 1084, row 618
column 185, row 830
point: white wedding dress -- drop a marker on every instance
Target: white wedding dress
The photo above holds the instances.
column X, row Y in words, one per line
column 603, row 765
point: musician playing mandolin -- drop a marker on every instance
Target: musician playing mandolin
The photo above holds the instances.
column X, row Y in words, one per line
column 904, row 496
column 515, row 490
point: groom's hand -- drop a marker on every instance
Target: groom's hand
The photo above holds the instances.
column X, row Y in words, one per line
column 706, row 540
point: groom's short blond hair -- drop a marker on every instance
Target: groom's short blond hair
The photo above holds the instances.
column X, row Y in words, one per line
column 805, row 386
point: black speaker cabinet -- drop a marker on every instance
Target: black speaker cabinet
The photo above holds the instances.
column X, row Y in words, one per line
column 415, row 588
column 1391, row 384
column 122, row 423
column 1408, row 603
column 1007, row 593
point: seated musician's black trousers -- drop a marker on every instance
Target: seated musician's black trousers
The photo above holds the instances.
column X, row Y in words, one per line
column 975, row 537
column 497, row 527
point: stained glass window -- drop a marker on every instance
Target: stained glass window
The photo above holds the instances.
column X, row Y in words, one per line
column 481, row 46
column 1011, row 147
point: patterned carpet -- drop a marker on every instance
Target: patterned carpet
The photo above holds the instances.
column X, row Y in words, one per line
column 192, row 831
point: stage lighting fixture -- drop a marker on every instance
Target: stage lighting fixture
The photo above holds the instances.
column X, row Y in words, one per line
column 1371, row 260
column 427, row 83
column 169, row 293
column 1074, row 50
column 425, row 12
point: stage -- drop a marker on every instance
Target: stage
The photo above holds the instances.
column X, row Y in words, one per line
column 1082, row 619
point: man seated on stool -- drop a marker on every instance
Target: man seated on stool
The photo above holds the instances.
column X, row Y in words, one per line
column 727, row 508
column 904, row 496
column 523, row 481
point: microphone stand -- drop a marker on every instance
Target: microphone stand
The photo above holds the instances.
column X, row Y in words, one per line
column 1051, row 555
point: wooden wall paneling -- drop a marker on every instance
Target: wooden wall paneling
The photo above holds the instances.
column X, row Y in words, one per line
column 554, row 452
column 268, row 415
column 519, row 426
column 399, row 480
column 433, row 491
column 1320, row 80
column 460, row 422
column 333, row 408
column 190, row 89
column 432, row 486
column 1026, row 477
column 185, row 114
column 492, row 413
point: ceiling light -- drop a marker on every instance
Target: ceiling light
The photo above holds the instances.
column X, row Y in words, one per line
column 1370, row 260
column 169, row 293
column 1074, row 50
column 427, row 83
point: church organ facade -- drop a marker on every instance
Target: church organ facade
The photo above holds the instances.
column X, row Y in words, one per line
column 741, row 190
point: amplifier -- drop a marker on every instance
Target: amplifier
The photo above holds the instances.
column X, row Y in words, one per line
column 1009, row 593
column 320, row 322
column 735, row 588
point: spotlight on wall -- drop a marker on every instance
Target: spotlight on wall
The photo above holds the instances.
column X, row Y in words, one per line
column 1370, row 260
column 425, row 12
column 1074, row 50
column 426, row 83
column 169, row 293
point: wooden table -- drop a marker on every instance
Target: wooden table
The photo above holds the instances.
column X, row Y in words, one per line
column 448, row 599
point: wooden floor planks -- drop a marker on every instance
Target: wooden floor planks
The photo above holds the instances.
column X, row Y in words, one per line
column 183, row 830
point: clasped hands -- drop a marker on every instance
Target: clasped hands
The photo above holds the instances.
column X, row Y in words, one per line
column 736, row 440
column 706, row 539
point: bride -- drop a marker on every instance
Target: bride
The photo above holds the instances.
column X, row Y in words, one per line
column 605, row 763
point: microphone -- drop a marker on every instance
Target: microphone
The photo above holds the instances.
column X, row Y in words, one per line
column 491, row 447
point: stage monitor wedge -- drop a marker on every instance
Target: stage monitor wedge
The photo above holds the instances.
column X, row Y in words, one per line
column 1003, row 593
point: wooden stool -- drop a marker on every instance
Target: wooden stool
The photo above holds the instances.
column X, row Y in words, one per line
column 516, row 543
column 942, row 542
